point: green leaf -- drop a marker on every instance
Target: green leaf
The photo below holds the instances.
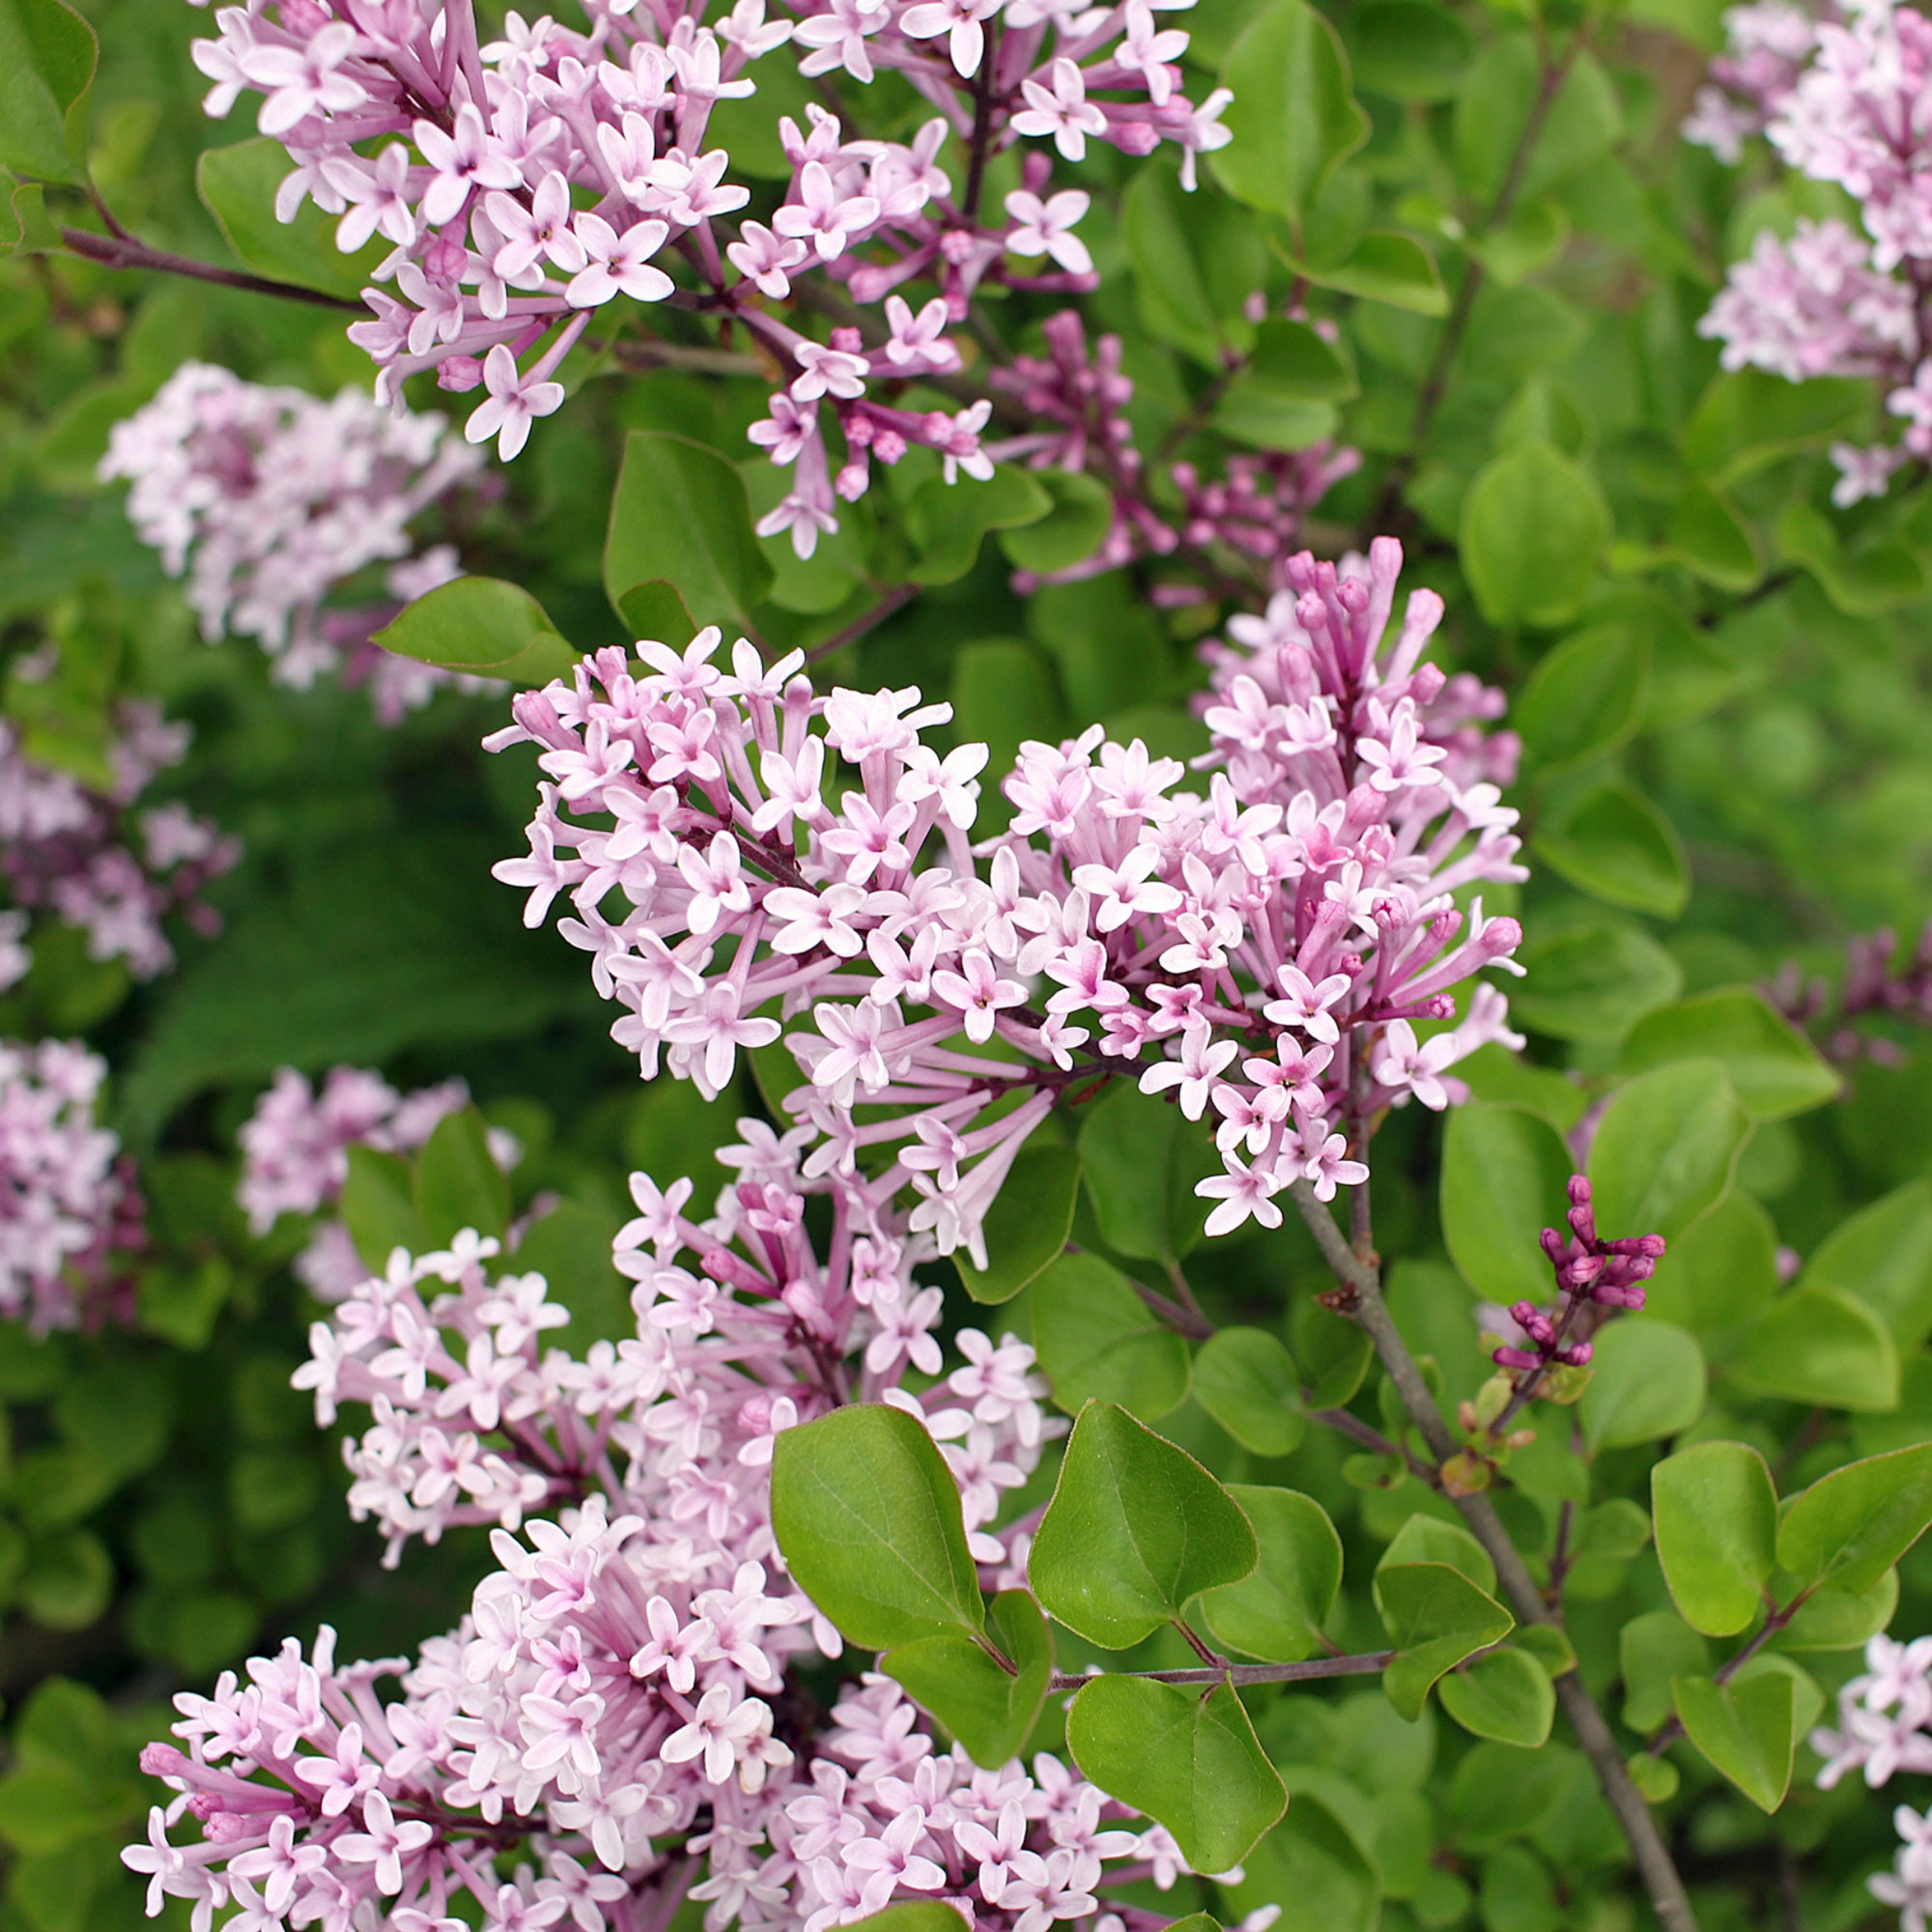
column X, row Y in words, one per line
column 1436, row 1617
column 1196, row 259
column 1494, row 113
column 1136, row 1528
column 1028, row 1224
column 1841, row 1619
column 1880, row 575
column 1291, row 358
column 1592, row 981
column 1505, row 1176
column 69, row 1582
column 680, row 514
column 991, row 1710
column 458, row 1182
column 1746, row 1730
column 1586, row 696
column 868, row 1519
column 1332, row 1352
column 1248, row 1381
column 1711, row 541
column 1426, row 1538
column 1822, row 1345
column 1070, row 532
column 1716, row 1515
column 1664, row 1149
column 1656, row 1649
column 1292, row 117
column 653, row 610
column 379, row 1207
column 1851, row 1526
column 1505, row 1694
column 1749, row 418
column 484, row 628
column 948, row 521
column 238, row 185
column 1140, row 1160
column 570, row 1247
column 1612, row 843
column 1277, row 1614
column 1535, row 526
column 1096, row 1338
column 1189, row 1762
column 1646, row 1382
column 1263, row 418
column 1385, row 268
column 1528, row 240
column 909, row 1914
column 1408, row 50
column 1319, row 1866
column 48, row 55
column 1883, row 1255
column 1774, row 1070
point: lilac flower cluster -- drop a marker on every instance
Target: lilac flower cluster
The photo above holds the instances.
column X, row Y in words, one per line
column 610, row 1730
column 1840, row 101
column 93, row 861
column 294, row 1155
column 1261, row 953
column 1884, row 1726
column 268, row 499
column 69, row 1211
column 529, row 182
column 1593, row 1276
column 1873, row 983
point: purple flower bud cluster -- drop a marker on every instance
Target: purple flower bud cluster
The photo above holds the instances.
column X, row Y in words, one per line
column 1262, row 949
column 611, row 1728
column 295, row 1157
column 93, row 861
column 529, row 181
column 1875, row 982
column 71, row 1215
column 1591, row 1273
column 271, row 498
column 1840, row 101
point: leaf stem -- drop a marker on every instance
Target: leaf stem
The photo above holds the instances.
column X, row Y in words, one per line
column 1367, row 1664
column 1673, row 1726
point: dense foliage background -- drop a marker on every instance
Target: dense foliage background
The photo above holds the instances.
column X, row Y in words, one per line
column 1721, row 684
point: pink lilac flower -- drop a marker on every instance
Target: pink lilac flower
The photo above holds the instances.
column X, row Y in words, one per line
column 269, row 499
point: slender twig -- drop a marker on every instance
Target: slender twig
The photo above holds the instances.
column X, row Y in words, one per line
column 1365, row 1304
column 894, row 599
column 120, row 251
column 1365, row 1665
column 1357, row 1430
column 1775, row 1621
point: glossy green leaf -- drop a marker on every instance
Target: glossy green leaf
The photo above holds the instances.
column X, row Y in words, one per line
column 1749, row 418
column 680, row 515
column 949, row 520
column 1534, row 528
column 1291, row 358
column 1192, row 1763
column 1883, row 1255
column 484, row 628
column 1384, row 267
column 654, row 612
column 1027, row 1226
column 1586, row 696
column 1745, row 1729
column 1494, row 109
column 1332, row 1352
column 238, row 185
column 1248, row 1383
column 458, row 1185
column 1095, row 1337
column 1195, row 259
column 1406, row 50
column 991, row 1710
column 1592, row 981
column 1851, row 1526
column 1720, row 1272
column 1263, row 418
column 1841, row 1619
column 1715, row 1514
column 1277, row 1614
column 1505, row 1171
column 1774, row 1070
column 1428, row 1538
column 909, row 1914
column 1711, row 541
column 1141, row 1159
column 1612, row 843
column 1292, row 117
column 1070, row 532
column 1505, row 1694
column 1863, row 581
column 1321, row 1866
column 1436, row 1617
column 1820, row 1345
column 1135, row 1530
column 1664, row 1149
column 1646, row 1382
column 47, row 54
column 868, row 1519
column 1656, row 1649
column 379, row 1207
column 570, row 1247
